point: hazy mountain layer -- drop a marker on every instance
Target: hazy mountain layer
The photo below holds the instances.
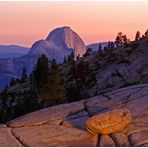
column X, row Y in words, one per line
column 12, row 51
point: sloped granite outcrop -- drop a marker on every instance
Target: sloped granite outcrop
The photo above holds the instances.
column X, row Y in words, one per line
column 52, row 115
column 64, row 125
column 53, row 135
column 7, row 139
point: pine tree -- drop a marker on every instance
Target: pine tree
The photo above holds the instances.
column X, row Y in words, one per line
column 41, row 71
column 118, row 40
column 79, row 78
column 146, row 33
column 138, row 36
column 100, row 51
column 121, row 39
column 12, row 82
column 105, row 49
column 54, row 92
column 125, row 39
column 112, row 46
column 100, row 47
column 82, row 78
column 109, row 46
column 24, row 74
column 143, row 36
column 81, row 71
column 88, row 52
column 65, row 59
column 71, row 57
column 78, row 57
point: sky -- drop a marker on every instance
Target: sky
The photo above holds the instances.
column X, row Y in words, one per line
column 24, row 22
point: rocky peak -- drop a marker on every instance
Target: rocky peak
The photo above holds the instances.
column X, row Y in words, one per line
column 59, row 43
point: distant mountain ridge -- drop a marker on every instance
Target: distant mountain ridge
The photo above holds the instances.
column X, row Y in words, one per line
column 95, row 46
column 12, row 51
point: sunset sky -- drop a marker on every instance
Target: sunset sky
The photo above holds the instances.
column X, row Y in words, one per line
column 23, row 23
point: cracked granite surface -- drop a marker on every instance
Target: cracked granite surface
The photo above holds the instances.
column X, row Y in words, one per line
column 64, row 125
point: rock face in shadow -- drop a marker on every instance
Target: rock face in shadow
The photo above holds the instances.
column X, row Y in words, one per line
column 64, row 125
column 76, row 120
column 124, row 66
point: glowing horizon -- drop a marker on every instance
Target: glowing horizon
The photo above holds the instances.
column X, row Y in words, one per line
column 23, row 23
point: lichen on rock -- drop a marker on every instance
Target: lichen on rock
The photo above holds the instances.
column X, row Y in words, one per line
column 109, row 122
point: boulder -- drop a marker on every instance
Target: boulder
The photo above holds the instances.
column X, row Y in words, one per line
column 109, row 122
